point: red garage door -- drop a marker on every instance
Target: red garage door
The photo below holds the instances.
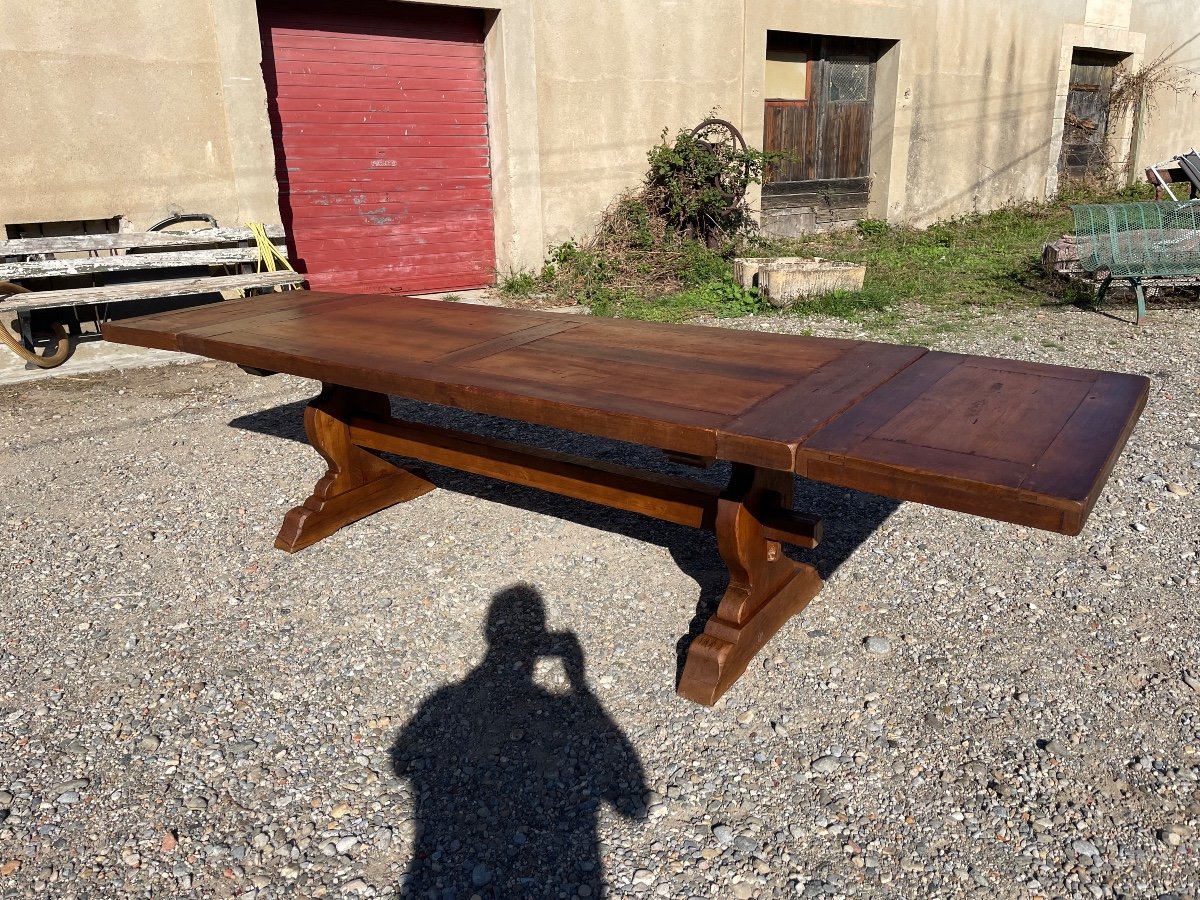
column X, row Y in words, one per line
column 380, row 123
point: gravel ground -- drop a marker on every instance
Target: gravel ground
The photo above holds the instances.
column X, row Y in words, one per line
column 969, row 708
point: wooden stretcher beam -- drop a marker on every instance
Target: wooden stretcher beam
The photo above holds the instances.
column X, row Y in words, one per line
column 681, row 501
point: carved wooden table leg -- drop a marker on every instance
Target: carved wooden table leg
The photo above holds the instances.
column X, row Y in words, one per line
column 765, row 588
column 358, row 482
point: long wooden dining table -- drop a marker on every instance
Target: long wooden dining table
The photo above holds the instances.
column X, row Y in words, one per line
column 1016, row 441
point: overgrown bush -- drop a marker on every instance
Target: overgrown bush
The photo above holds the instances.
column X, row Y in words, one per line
column 664, row 250
column 697, row 182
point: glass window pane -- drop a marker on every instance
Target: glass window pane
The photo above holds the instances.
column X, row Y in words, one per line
column 787, row 75
column 847, row 80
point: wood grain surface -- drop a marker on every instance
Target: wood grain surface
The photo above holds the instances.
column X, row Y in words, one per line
column 145, row 290
column 1021, row 442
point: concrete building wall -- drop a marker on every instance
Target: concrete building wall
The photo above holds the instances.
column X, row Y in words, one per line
column 969, row 100
column 1172, row 35
column 141, row 107
column 244, row 100
column 982, row 97
column 611, row 79
column 124, row 108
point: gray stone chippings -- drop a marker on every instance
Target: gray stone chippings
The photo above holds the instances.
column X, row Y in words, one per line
column 968, row 709
column 877, row 646
column 825, row 765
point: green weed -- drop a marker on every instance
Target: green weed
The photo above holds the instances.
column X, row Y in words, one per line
column 855, row 307
column 954, row 269
column 648, row 260
column 1081, row 294
column 723, row 298
column 869, row 228
column 519, row 284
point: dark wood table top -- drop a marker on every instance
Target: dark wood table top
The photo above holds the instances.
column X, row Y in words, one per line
column 1023, row 442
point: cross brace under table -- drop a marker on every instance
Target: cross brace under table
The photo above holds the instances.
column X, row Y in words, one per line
column 752, row 516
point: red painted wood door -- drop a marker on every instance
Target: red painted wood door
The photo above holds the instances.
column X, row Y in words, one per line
column 379, row 115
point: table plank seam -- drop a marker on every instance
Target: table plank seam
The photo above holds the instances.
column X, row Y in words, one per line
column 504, row 342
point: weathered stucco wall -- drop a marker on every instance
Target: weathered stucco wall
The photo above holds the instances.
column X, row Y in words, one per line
column 119, row 107
column 968, row 105
column 611, row 77
column 1172, row 34
column 141, row 107
column 982, row 88
column 244, row 101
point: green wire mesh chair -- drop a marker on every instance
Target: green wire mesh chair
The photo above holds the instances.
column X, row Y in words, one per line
column 1135, row 241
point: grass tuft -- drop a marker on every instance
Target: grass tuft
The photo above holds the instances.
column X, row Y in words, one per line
column 637, row 266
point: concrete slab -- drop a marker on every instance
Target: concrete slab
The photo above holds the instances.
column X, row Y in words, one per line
column 89, row 356
column 478, row 296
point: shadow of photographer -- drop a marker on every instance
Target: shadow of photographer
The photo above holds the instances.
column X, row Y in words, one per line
column 508, row 776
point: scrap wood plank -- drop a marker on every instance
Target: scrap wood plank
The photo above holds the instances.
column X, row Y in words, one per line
column 124, row 240
column 129, row 262
column 146, row 290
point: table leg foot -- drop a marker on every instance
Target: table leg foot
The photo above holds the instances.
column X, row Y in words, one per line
column 357, row 483
column 765, row 589
column 719, row 656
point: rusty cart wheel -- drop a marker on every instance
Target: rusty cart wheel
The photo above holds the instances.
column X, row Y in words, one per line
column 62, row 341
column 724, row 140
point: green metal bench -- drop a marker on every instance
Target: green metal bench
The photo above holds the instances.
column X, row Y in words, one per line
column 1137, row 242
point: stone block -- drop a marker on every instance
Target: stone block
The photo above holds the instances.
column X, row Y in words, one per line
column 785, row 279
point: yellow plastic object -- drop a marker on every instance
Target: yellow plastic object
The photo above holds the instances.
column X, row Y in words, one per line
column 269, row 257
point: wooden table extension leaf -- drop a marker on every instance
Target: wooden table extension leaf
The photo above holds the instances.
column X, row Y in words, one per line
column 1020, row 442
